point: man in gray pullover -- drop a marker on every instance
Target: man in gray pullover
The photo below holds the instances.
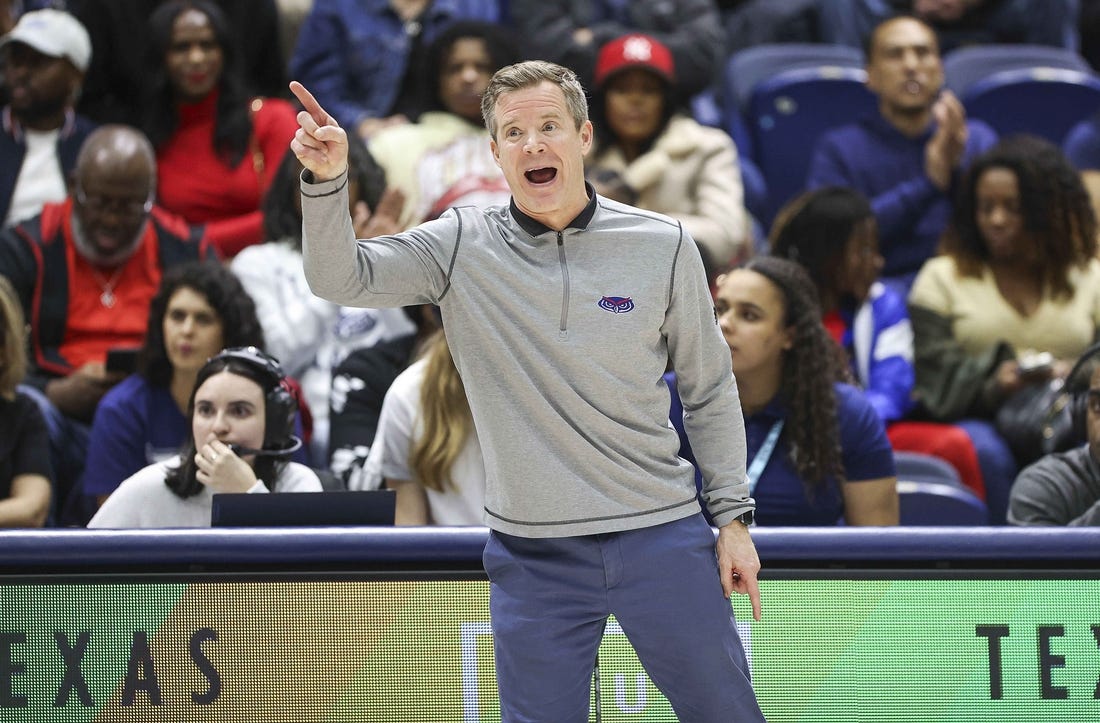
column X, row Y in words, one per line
column 563, row 311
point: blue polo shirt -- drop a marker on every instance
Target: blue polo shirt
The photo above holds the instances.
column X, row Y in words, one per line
column 781, row 497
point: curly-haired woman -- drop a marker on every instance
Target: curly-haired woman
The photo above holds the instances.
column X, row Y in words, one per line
column 817, row 449
column 1018, row 276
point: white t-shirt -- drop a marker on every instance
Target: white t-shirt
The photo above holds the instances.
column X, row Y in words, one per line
column 40, row 181
column 398, row 425
column 144, row 501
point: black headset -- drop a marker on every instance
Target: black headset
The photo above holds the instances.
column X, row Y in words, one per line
column 280, row 407
column 1077, row 384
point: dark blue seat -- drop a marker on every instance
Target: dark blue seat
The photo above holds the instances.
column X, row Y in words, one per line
column 708, row 111
column 790, row 111
column 705, row 109
column 1044, row 102
column 744, row 71
column 1034, row 89
column 964, row 67
column 920, row 467
column 747, row 68
column 935, row 504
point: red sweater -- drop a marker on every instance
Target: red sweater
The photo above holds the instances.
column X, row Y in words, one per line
column 194, row 182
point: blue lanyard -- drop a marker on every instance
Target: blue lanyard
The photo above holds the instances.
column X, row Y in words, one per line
column 760, row 460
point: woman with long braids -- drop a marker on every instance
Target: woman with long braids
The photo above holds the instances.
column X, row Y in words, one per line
column 817, row 450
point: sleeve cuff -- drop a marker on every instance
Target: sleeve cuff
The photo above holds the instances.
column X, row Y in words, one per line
column 730, row 514
column 313, row 188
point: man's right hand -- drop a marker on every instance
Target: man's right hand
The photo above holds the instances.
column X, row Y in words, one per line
column 319, row 143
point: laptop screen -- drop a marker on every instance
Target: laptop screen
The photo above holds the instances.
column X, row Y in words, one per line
column 304, row 509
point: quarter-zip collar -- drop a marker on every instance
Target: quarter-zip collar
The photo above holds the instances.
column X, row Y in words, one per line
column 537, row 228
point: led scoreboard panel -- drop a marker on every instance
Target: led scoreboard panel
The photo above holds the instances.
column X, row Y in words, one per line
column 368, row 625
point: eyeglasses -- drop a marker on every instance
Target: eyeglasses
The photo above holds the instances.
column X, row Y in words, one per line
column 127, row 207
column 1092, row 400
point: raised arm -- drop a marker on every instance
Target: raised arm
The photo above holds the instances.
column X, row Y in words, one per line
column 376, row 272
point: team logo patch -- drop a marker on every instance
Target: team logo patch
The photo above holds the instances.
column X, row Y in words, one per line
column 617, row 304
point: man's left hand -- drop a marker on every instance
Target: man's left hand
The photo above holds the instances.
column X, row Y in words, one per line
column 738, row 563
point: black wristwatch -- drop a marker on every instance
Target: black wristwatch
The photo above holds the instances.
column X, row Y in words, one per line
column 745, row 518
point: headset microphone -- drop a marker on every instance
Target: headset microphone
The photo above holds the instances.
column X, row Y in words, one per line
column 293, row 446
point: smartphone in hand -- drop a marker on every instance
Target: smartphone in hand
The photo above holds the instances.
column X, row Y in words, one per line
column 122, row 360
column 1035, row 364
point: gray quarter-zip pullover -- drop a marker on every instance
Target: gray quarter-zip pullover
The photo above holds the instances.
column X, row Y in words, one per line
column 561, row 339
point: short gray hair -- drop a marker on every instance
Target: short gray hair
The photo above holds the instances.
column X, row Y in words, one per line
column 526, row 75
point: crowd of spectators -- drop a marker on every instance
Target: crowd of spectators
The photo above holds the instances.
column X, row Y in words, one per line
column 151, row 219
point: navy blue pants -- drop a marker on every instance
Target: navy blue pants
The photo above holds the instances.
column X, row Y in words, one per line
column 998, row 466
column 550, row 599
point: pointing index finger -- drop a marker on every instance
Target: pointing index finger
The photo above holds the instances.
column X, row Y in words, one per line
column 309, row 103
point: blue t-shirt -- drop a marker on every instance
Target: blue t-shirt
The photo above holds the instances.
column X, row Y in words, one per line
column 135, row 425
column 780, row 495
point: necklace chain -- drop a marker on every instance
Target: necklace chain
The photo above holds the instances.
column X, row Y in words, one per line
column 107, row 298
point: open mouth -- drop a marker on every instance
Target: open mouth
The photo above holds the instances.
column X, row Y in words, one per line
column 108, row 243
column 539, row 176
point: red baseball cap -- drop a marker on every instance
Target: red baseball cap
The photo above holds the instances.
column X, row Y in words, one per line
column 634, row 51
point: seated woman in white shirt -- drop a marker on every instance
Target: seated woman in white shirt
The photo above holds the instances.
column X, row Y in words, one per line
column 241, row 414
column 426, row 447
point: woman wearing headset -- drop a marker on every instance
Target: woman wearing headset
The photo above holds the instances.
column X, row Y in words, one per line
column 241, row 419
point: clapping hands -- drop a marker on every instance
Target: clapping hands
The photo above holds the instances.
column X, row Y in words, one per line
column 944, row 150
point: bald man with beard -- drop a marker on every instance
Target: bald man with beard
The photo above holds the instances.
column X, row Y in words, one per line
column 85, row 271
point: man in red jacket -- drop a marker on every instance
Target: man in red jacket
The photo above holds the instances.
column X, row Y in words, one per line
column 85, row 271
